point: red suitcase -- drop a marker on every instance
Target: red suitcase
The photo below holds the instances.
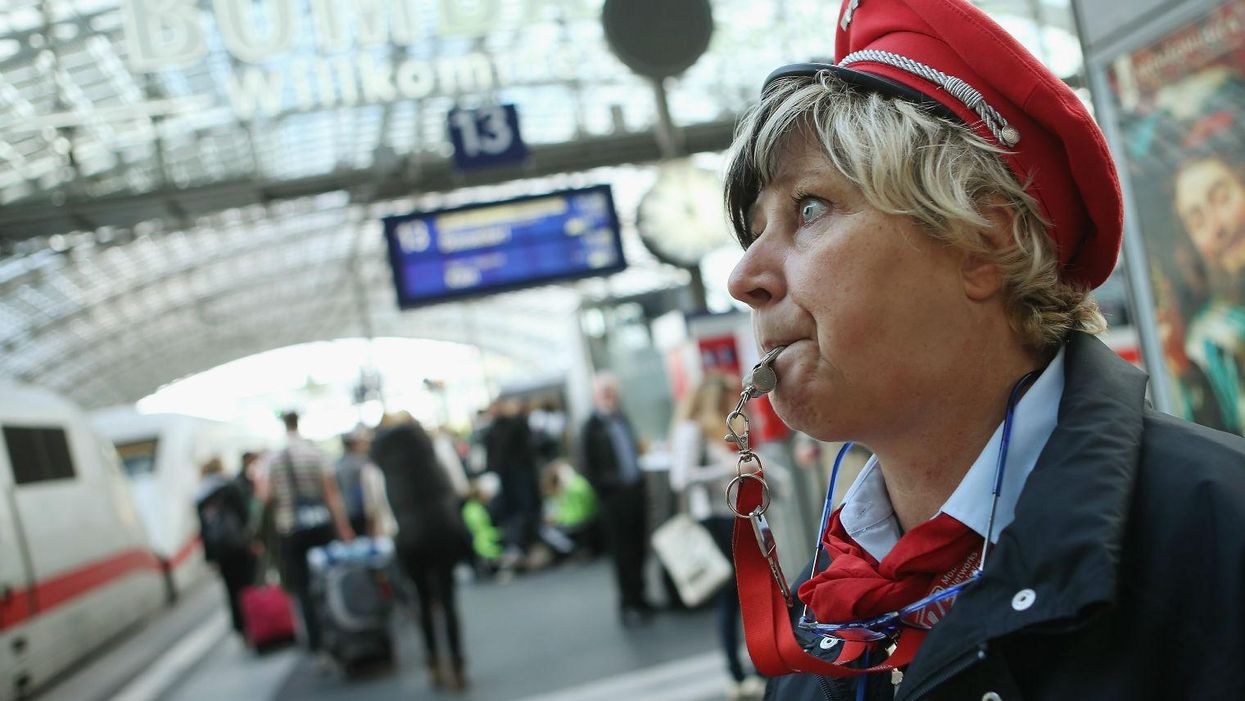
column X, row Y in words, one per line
column 268, row 615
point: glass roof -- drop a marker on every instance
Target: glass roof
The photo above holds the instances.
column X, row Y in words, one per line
column 113, row 98
column 109, row 323
column 186, row 182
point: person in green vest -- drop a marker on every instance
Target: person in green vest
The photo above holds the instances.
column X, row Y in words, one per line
column 485, row 538
column 572, row 510
column 576, row 504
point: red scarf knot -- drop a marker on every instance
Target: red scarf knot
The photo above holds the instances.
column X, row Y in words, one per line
column 936, row 554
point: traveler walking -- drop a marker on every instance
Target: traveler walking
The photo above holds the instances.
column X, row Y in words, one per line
column 511, row 455
column 430, row 540
column 349, row 469
column 226, row 531
column 307, row 513
column 701, row 467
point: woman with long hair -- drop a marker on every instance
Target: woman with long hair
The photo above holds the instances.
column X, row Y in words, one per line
column 430, row 538
column 701, row 466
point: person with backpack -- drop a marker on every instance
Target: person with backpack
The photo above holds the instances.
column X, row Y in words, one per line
column 225, row 529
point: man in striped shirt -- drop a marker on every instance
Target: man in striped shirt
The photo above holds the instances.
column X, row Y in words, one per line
column 307, row 512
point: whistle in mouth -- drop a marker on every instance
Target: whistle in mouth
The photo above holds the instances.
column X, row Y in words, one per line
column 762, row 379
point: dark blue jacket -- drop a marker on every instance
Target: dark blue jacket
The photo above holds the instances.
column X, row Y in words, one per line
column 1131, row 533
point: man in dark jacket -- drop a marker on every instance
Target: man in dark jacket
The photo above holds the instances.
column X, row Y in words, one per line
column 610, row 459
column 923, row 222
column 510, row 454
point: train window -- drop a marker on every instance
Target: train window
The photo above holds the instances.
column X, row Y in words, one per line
column 38, row 454
column 138, row 457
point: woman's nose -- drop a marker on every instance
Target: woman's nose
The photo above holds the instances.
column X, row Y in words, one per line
column 757, row 278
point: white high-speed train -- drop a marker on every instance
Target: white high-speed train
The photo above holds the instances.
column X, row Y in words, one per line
column 76, row 567
column 161, row 455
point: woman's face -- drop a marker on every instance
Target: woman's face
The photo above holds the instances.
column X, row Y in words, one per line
column 1210, row 201
column 871, row 308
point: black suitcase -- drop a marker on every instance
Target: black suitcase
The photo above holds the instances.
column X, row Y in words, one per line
column 352, row 589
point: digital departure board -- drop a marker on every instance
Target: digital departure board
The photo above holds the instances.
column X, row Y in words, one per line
column 487, row 248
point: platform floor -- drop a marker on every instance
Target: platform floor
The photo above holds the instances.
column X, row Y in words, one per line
column 552, row 635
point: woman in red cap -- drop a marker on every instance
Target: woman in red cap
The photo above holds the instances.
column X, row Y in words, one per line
column 923, row 223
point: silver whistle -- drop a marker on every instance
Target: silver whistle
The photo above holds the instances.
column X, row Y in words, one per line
column 762, row 379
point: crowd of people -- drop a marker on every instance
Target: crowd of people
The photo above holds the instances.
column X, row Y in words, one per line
column 514, row 495
column 513, row 504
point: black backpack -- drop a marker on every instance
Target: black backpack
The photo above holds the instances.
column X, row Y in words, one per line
column 224, row 531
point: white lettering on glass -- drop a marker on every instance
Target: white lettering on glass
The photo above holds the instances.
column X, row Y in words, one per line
column 252, row 90
column 256, row 36
column 469, row 18
column 162, row 33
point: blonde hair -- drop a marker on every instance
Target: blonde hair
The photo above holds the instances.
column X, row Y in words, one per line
column 908, row 161
column 707, row 404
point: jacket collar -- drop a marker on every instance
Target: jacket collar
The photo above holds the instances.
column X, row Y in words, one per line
column 1064, row 545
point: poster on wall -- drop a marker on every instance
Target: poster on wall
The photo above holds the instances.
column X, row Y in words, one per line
column 1180, row 103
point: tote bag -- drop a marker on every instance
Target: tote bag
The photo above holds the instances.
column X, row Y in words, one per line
column 692, row 558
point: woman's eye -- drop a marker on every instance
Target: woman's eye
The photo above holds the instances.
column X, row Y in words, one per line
column 811, row 208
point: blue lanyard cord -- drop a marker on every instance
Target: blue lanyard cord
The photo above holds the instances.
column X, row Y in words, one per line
column 1012, row 400
column 826, row 509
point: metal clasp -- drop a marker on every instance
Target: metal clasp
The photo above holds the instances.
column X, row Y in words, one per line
column 759, row 381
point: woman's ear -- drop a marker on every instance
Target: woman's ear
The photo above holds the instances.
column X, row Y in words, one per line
column 983, row 278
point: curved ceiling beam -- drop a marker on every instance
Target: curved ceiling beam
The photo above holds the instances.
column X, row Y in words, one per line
column 130, row 385
column 41, row 216
column 170, row 275
column 259, row 290
column 141, row 366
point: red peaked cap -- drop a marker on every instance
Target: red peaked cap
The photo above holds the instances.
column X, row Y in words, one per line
column 1061, row 152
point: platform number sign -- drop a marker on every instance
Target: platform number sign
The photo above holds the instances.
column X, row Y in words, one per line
column 486, row 136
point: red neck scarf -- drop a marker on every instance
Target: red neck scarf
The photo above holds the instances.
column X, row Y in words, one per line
column 939, row 552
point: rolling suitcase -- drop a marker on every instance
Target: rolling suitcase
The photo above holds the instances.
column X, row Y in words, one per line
column 351, row 586
column 267, row 615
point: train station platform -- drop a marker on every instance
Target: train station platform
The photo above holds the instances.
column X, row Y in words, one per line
column 552, row 635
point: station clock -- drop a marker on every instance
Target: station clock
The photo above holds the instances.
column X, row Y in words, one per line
column 682, row 218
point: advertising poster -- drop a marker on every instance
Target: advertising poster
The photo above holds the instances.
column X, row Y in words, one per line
column 1180, row 102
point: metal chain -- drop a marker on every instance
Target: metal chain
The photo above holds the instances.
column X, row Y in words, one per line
column 757, row 383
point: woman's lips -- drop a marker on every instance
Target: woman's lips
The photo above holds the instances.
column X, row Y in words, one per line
column 769, row 346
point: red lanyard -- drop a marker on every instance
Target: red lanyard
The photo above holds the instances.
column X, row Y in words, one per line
column 767, row 620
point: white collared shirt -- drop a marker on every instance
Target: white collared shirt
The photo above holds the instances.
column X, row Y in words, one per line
column 869, row 518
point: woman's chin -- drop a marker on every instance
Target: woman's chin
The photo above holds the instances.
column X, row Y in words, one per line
column 794, row 412
column 800, row 411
